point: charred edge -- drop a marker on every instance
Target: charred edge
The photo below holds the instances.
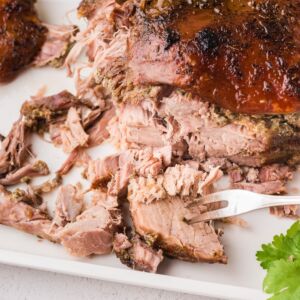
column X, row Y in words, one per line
column 172, row 37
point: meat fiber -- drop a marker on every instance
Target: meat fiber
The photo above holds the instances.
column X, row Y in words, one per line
column 92, row 232
column 78, row 157
column 24, row 217
column 69, row 204
column 40, row 112
column 291, row 211
column 59, row 40
column 136, row 253
column 98, row 133
column 14, row 149
column 73, row 134
column 270, row 179
column 24, row 174
column 165, row 220
column 117, row 169
column 208, row 132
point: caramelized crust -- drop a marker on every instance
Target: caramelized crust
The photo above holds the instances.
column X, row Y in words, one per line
column 242, row 55
column 21, row 36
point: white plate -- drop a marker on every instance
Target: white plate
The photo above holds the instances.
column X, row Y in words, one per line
column 241, row 278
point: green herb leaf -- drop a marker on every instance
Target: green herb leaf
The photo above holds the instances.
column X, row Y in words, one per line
column 282, row 280
column 281, row 259
column 283, row 247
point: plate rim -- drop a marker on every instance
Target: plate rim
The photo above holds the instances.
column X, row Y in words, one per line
column 131, row 277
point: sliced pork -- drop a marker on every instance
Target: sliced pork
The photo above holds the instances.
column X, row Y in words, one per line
column 78, row 157
column 73, row 134
column 40, row 112
column 24, row 217
column 24, row 174
column 92, row 232
column 164, row 218
column 69, row 204
column 136, row 253
column 14, row 149
column 98, row 133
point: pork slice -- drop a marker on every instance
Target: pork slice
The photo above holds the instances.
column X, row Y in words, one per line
column 39, row 168
column 69, row 204
column 164, row 220
column 14, row 149
column 275, row 172
column 94, row 97
column 92, row 232
column 191, row 115
column 252, row 175
column 138, row 126
column 269, row 187
column 58, row 43
column 290, row 211
column 236, row 175
column 98, row 133
column 158, row 207
column 213, row 162
column 24, row 217
column 182, row 180
column 147, row 136
column 147, row 189
column 137, row 254
column 226, row 141
column 89, row 116
column 41, row 112
column 119, row 181
column 97, row 197
column 206, row 187
column 149, row 160
column 100, row 28
column 165, row 153
column 143, row 162
column 73, row 135
column 78, row 157
column 99, row 172
column 55, row 103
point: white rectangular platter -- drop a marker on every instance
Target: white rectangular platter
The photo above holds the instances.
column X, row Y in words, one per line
column 241, row 278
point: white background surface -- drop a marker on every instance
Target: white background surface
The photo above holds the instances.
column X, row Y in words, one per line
column 26, row 284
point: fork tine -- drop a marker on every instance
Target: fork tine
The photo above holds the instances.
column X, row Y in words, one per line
column 208, row 199
column 211, row 215
column 211, row 199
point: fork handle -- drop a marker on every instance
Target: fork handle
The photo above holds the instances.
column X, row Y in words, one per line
column 269, row 200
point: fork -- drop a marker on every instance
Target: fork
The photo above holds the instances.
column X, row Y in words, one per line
column 238, row 202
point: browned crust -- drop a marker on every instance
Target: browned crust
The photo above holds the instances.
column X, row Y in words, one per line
column 21, row 36
column 245, row 59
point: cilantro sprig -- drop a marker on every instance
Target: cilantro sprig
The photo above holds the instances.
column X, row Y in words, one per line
column 281, row 259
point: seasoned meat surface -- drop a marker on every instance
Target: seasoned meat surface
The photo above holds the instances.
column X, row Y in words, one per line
column 242, row 55
column 21, row 36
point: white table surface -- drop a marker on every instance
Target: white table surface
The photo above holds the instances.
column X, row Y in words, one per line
column 26, row 284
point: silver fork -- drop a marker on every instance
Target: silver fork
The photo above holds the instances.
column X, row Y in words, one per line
column 238, row 202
